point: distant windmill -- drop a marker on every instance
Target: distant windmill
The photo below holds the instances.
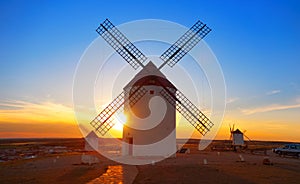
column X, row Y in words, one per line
column 237, row 137
column 91, row 144
column 150, row 82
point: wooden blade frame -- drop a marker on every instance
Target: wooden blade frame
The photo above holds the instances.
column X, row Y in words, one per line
column 104, row 121
column 184, row 44
column 188, row 110
column 121, row 44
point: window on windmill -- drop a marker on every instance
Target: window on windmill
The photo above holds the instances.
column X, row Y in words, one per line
column 151, row 92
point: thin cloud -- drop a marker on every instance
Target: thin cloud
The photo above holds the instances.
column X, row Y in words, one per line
column 273, row 107
column 231, row 100
column 24, row 111
column 273, row 92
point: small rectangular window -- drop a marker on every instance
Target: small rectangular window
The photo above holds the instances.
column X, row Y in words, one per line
column 151, row 92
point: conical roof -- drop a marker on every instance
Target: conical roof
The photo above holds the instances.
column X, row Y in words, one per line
column 147, row 75
column 92, row 134
column 237, row 131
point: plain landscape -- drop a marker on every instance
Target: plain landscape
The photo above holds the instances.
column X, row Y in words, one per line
column 60, row 161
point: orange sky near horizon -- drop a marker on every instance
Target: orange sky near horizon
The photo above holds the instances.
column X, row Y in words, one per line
column 50, row 120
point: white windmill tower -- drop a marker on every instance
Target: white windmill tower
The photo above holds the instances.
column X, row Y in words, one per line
column 148, row 83
column 237, row 138
column 162, row 126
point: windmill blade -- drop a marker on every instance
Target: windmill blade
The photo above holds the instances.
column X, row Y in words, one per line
column 247, row 137
column 103, row 122
column 230, row 130
column 184, row 44
column 188, row 110
column 121, row 44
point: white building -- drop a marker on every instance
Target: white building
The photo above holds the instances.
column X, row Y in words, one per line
column 91, row 145
column 91, row 142
column 237, row 138
column 149, row 133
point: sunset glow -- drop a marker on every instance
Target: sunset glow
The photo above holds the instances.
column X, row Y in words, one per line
column 259, row 60
column 47, row 119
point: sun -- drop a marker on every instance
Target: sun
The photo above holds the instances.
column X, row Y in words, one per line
column 118, row 126
column 120, row 121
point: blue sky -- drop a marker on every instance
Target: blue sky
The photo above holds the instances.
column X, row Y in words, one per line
column 256, row 42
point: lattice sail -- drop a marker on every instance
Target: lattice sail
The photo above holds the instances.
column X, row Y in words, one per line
column 104, row 121
column 184, row 44
column 121, row 44
column 188, row 110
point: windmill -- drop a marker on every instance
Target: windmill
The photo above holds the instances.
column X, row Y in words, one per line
column 150, row 82
column 237, row 137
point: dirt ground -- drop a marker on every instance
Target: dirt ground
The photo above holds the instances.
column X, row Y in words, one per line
column 54, row 169
column 194, row 167
column 222, row 167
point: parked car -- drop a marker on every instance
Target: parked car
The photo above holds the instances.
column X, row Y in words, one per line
column 288, row 149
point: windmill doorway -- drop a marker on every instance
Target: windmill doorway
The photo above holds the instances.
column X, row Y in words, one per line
column 129, row 140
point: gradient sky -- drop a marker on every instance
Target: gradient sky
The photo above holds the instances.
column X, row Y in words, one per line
column 256, row 42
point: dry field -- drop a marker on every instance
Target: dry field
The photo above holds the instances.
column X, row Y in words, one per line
column 195, row 167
